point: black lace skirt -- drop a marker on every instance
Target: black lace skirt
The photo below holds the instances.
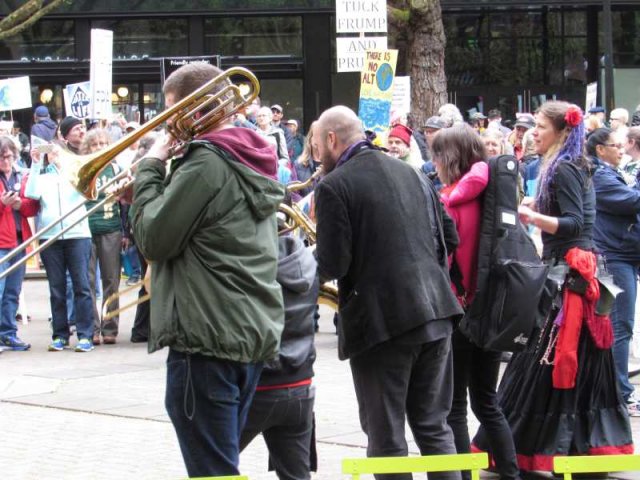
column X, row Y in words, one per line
column 590, row 419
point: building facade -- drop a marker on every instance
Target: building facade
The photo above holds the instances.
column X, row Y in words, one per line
column 506, row 54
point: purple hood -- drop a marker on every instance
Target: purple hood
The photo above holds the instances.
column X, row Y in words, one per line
column 248, row 148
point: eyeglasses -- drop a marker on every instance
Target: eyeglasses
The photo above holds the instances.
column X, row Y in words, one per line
column 616, row 119
column 6, row 156
column 613, row 145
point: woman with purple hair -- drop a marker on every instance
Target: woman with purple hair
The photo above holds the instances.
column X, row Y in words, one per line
column 560, row 395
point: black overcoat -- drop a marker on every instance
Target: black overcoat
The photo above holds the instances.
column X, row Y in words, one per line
column 379, row 232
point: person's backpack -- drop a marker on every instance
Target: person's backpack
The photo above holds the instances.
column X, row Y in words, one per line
column 509, row 301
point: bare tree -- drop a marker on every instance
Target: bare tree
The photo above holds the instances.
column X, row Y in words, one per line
column 26, row 15
column 417, row 26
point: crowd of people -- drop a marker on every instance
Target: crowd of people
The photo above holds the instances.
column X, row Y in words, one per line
column 236, row 303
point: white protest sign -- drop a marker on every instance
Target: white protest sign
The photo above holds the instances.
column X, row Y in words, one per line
column 401, row 101
column 15, row 93
column 356, row 16
column 592, row 96
column 77, row 99
column 351, row 51
column 100, row 72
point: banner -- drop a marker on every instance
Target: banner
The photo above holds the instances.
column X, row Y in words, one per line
column 101, row 73
column 401, row 102
column 591, row 96
column 77, row 99
column 350, row 51
column 15, row 93
column 376, row 89
column 361, row 16
column 168, row 65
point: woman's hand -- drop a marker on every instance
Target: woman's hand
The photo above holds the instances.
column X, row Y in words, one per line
column 526, row 214
column 10, row 199
column 529, row 202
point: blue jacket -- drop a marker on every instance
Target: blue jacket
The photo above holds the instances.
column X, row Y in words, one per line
column 617, row 228
column 57, row 196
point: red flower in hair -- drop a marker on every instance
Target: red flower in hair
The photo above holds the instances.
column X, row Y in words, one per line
column 573, row 117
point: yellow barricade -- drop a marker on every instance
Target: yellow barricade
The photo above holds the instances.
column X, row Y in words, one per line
column 595, row 464
column 433, row 463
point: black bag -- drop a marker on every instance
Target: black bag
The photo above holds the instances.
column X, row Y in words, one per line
column 510, row 300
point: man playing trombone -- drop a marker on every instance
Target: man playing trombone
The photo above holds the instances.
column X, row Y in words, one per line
column 209, row 229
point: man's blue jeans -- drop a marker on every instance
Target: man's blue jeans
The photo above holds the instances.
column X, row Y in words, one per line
column 625, row 275
column 10, row 287
column 72, row 255
column 207, row 400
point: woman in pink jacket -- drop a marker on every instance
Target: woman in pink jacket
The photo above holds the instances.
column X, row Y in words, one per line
column 459, row 158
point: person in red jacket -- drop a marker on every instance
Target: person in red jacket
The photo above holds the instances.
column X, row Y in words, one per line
column 14, row 228
column 459, row 158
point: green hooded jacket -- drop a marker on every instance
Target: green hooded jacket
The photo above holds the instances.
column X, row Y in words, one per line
column 209, row 232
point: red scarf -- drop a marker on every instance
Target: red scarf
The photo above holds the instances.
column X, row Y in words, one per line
column 576, row 309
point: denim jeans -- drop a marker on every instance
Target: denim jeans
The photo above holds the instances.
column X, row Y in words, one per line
column 476, row 370
column 625, row 275
column 72, row 255
column 10, row 288
column 131, row 262
column 70, row 311
column 284, row 416
column 207, row 400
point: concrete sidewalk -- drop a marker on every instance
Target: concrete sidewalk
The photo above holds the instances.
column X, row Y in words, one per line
column 100, row 415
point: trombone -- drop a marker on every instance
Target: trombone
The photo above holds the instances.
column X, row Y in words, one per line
column 215, row 101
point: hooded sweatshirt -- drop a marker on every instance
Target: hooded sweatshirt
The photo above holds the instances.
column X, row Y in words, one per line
column 45, row 129
column 298, row 277
column 463, row 202
column 210, row 230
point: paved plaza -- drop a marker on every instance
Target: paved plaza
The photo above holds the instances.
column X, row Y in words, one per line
column 100, row 415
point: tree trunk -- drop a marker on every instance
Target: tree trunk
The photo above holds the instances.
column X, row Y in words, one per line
column 426, row 46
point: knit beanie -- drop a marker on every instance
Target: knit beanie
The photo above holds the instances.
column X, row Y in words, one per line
column 67, row 124
column 401, row 132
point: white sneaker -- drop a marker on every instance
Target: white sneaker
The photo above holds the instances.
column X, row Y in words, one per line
column 633, row 409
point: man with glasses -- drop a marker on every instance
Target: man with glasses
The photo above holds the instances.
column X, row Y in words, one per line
column 14, row 228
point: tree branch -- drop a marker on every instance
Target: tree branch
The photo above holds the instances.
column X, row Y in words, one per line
column 31, row 20
column 20, row 14
column 398, row 18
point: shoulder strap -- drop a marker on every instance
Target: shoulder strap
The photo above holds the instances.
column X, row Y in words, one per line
column 456, row 277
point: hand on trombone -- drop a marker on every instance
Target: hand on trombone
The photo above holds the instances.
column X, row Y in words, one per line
column 122, row 189
column 163, row 148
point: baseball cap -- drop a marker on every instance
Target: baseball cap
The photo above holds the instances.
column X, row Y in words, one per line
column 131, row 126
column 596, row 109
column 525, row 120
column 435, row 122
column 291, row 121
column 42, row 111
column 477, row 116
column 276, row 107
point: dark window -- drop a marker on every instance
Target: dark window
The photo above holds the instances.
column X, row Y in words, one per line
column 254, row 36
column 46, row 39
column 626, row 37
column 149, row 37
column 157, row 6
column 516, row 48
